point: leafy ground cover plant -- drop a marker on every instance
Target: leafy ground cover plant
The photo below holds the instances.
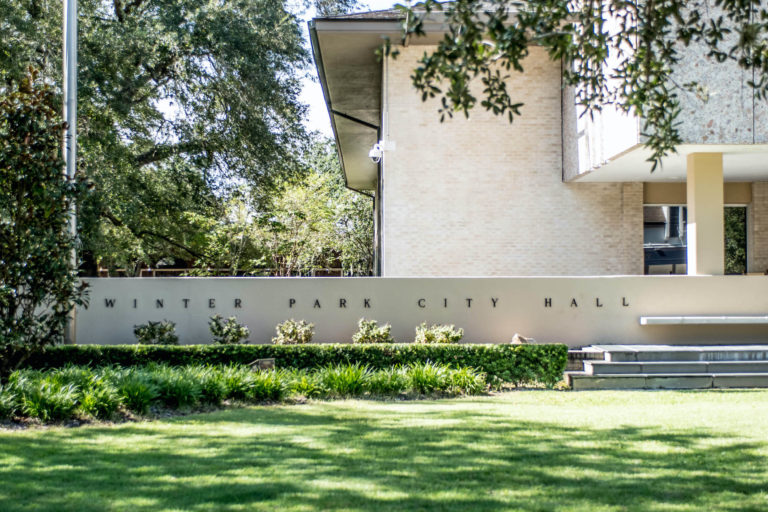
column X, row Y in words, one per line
column 229, row 331
column 438, row 334
column 78, row 392
column 156, row 333
column 292, row 332
column 369, row 331
column 345, row 380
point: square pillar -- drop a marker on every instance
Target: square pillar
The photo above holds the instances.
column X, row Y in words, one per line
column 706, row 232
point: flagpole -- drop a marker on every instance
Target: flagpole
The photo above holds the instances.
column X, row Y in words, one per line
column 70, row 137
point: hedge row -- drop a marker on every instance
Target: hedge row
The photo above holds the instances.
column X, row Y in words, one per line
column 519, row 364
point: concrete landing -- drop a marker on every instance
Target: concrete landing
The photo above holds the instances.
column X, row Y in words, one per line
column 670, row 367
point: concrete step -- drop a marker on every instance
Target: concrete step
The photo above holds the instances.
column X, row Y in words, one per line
column 678, row 367
column 670, row 353
column 582, row 381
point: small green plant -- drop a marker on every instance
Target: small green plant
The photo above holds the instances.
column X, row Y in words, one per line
column 438, row 334
column 368, row 331
column 176, row 388
column 389, row 381
column 268, row 385
column 228, row 332
column 156, row 333
column 48, row 400
column 306, row 383
column 237, row 381
column 9, row 402
column 428, row 377
column 345, row 379
column 292, row 332
column 137, row 390
column 466, row 381
column 101, row 400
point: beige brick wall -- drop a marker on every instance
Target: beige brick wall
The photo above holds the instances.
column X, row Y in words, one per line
column 482, row 197
column 757, row 236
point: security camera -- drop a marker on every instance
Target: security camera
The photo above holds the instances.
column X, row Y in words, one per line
column 376, row 153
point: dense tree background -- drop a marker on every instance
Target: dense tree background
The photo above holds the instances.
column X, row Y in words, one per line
column 188, row 117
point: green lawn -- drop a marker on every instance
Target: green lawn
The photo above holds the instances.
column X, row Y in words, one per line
column 537, row 450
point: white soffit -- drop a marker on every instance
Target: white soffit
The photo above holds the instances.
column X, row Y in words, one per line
column 351, row 80
column 741, row 162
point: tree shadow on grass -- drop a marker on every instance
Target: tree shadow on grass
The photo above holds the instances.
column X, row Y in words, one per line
column 323, row 458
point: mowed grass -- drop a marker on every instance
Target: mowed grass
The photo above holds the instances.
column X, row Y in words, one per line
column 536, row 450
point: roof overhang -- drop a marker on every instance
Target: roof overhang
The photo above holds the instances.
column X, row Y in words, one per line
column 350, row 75
column 741, row 162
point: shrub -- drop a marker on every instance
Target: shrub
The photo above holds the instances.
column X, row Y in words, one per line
column 368, row 331
column 213, row 388
column 137, row 390
column 466, row 381
column 156, row 333
column 438, row 334
column 345, row 380
column 38, row 281
column 306, row 383
column 227, row 332
column 176, row 388
column 389, row 381
column 267, row 385
column 10, row 403
column 237, row 381
column 292, row 332
column 101, row 400
column 48, row 400
column 426, row 378
column 519, row 364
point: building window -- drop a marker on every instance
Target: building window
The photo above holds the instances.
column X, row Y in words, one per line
column 665, row 246
column 664, row 239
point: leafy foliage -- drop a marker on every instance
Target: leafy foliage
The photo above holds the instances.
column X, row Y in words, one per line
column 60, row 395
column 518, row 364
column 615, row 52
column 438, row 334
column 156, row 333
column 228, row 332
column 184, row 107
column 38, row 285
column 368, row 331
column 292, row 332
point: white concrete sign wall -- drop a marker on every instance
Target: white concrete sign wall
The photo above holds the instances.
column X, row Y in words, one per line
column 572, row 310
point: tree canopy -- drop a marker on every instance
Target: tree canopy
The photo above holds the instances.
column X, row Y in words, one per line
column 184, row 106
column 615, row 52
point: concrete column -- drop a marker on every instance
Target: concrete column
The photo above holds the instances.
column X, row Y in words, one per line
column 706, row 233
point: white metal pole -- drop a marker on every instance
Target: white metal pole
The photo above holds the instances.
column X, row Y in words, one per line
column 70, row 116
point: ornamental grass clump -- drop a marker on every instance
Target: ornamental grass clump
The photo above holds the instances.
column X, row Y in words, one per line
column 268, row 385
column 176, row 388
column 10, row 402
column 427, row 378
column 369, row 331
column 438, row 334
column 101, row 399
column 213, row 385
column 227, row 332
column 156, row 333
column 389, row 381
column 345, row 379
column 237, row 381
column 292, row 332
column 137, row 390
column 48, row 400
column 307, row 384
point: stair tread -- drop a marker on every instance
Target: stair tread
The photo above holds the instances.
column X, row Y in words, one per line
column 663, row 375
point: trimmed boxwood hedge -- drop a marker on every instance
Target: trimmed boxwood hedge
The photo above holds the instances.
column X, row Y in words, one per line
column 519, row 364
